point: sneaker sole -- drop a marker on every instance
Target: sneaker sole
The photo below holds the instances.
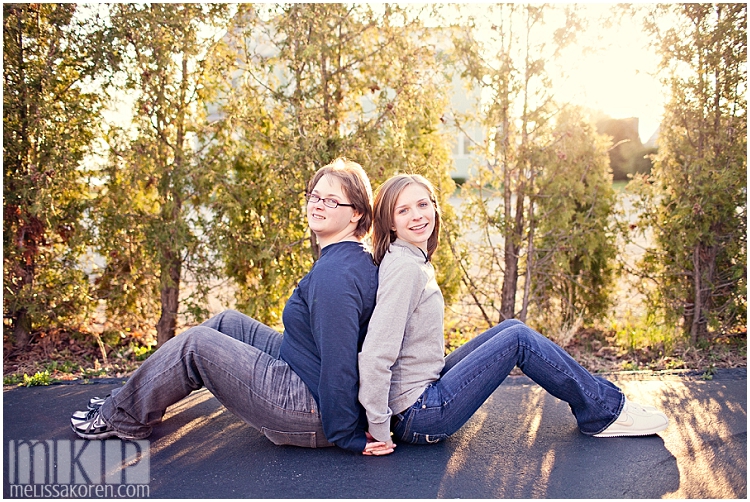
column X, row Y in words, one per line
column 102, row 435
column 97, row 435
column 630, row 433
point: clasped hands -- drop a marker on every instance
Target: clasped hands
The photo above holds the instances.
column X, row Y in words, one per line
column 378, row 448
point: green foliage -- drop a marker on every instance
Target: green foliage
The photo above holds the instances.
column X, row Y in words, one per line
column 695, row 200
column 49, row 122
column 152, row 231
column 309, row 83
column 38, row 378
column 543, row 198
column 628, row 155
column 143, row 352
column 639, row 333
column 12, row 379
column 572, row 261
column 128, row 282
column 61, row 366
column 709, row 373
column 205, row 187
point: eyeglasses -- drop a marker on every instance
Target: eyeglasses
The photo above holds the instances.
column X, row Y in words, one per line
column 332, row 203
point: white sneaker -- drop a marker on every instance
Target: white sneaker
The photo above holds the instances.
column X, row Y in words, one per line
column 94, row 404
column 636, row 420
column 93, row 426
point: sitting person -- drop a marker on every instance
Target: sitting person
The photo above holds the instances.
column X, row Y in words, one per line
column 299, row 388
column 410, row 389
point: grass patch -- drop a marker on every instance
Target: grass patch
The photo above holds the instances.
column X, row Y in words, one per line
column 12, row 379
column 648, row 344
column 142, row 352
column 38, row 378
column 646, row 333
column 62, row 356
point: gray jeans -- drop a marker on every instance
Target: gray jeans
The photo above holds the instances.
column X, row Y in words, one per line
column 237, row 359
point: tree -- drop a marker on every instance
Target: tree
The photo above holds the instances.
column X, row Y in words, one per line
column 572, row 260
column 694, row 202
column 151, row 228
column 309, row 83
column 49, row 122
column 518, row 115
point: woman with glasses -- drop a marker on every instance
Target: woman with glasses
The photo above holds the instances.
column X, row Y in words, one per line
column 410, row 389
column 297, row 389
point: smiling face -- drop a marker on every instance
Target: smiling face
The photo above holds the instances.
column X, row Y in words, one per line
column 331, row 225
column 414, row 216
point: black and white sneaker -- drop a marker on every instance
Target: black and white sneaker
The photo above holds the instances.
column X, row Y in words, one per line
column 94, row 404
column 92, row 426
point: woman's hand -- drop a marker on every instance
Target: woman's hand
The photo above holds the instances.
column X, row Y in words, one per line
column 378, row 448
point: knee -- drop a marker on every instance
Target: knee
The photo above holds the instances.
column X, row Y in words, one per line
column 521, row 332
column 508, row 323
column 196, row 339
column 227, row 315
column 223, row 319
column 510, row 329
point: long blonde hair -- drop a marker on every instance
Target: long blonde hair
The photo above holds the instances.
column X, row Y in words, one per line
column 385, row 205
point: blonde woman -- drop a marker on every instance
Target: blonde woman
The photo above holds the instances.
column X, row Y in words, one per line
column 410, row 389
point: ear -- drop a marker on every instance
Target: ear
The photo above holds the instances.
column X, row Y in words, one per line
column 356, row 216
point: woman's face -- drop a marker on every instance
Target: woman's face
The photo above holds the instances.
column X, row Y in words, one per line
column 331, row 225
column 414, row 216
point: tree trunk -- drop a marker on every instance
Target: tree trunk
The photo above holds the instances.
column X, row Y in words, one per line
column 697, row 304
column 170, row 295
column 21, row 328
column 510, row 281
column 510, row 274
column 30, row 237
column 171, row 270
column 704, row 270
column 21, row 319
column 529, row 266
column 314, row 246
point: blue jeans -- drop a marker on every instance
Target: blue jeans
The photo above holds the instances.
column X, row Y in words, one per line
column 473, row 372
column 237, row 359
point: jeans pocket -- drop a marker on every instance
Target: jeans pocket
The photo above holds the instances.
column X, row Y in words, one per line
column 401, row 426
column 417, row 438
column 303, row 439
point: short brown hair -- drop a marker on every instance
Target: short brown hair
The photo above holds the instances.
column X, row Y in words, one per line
column 356, row 186
column 385, row 204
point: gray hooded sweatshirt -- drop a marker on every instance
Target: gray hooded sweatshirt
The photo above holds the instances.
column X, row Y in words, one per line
column 403, row 351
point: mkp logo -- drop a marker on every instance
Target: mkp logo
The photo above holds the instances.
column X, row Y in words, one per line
column 72, row 462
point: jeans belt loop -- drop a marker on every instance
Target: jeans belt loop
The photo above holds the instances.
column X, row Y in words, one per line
column 396, row 418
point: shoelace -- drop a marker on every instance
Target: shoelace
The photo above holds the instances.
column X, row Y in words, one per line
column 96, row 402
column 92, row 413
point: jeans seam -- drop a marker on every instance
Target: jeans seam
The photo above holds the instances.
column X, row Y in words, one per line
column 617, row 415
column 593, row 397
column 477, row 374
column 254, row 393
column 499, row 356
column 181, row 362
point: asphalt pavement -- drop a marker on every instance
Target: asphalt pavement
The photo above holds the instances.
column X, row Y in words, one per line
column 522, row 443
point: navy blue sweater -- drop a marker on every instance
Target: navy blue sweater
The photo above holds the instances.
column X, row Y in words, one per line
column 325, row 323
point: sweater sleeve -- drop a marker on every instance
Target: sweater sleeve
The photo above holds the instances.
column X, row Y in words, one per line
column 400, row 284
column 336, row 307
